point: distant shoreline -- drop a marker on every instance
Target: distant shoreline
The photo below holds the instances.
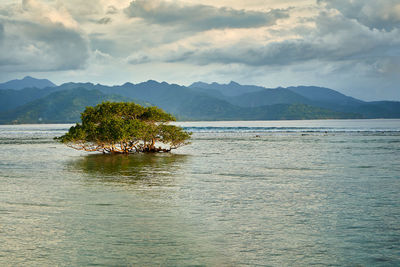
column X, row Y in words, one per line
column 220, row 121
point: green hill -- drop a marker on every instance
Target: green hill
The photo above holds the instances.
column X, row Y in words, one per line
column 11, row 99
column 58, row 107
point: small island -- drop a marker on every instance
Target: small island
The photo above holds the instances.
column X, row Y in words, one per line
column 124, row 128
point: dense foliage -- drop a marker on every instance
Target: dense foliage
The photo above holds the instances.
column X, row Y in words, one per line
column 125, row 128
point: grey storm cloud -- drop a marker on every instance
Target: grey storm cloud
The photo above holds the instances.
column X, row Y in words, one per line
column 335, row 39
column 29, row 46
column 105, row 20
column 273, row 54
column 200, row 17
column 371, row 13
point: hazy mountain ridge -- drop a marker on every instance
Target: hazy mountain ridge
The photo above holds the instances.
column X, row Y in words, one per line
column 309, row 95
column 199, row 101
column 269, row 97
column 230, row 89
column 27, row 82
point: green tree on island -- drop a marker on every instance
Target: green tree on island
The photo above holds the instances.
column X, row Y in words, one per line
column 121, row 127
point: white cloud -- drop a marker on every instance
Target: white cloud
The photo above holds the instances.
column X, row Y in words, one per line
column 35, row 11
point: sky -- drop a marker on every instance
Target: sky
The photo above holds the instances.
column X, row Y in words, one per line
column 352, row 46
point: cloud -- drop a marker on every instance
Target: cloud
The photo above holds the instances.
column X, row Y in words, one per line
column 30, row 46
column 81, row 10
column 35, row 37
column 112, row 10
column 33, row 10
column 374, row 14
column 333, row 39
column 200, row 17
column 105, row 20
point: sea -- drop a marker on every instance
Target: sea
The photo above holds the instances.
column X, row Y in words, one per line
column 243, row 193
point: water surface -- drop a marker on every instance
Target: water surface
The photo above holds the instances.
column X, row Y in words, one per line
column 243, row 193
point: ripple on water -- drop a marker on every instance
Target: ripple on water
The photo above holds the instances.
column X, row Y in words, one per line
column 228, row 199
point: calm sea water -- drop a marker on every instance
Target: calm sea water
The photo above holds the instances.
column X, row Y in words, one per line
column 295, row 193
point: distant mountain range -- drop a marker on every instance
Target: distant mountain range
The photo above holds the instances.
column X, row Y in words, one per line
column 27, row 82
column 32, row 100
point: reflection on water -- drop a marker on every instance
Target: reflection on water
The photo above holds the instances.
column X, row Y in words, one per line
column 150, row 169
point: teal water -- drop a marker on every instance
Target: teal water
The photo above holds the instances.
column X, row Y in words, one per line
column 294, row 193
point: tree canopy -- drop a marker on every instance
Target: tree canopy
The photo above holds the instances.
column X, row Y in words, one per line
column 122, row 127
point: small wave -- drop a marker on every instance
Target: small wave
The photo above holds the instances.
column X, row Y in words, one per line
column 213, row 129
column 24, row 141
column 364, row 167
column 103, row 204
column 30, row 204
